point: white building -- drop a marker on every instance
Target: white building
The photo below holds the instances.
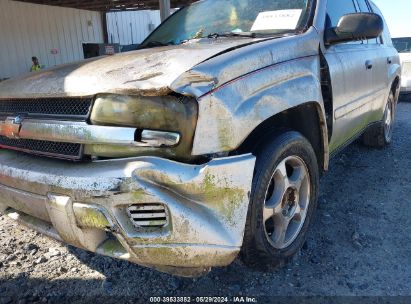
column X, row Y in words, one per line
column 56, row 34
column 131, row 27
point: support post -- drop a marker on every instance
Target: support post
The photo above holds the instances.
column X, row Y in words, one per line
column 104, row 23
column 165, row 9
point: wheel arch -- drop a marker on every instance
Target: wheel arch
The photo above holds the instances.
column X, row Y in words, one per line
column 307, row 118
column 394, row 77
column 395, row 87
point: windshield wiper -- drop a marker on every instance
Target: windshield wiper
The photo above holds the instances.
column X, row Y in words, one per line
column 152, row 44
column 233, row 34
column 253, row 34
column 227, row 34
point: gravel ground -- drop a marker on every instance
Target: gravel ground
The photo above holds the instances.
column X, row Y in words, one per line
column 360, row 245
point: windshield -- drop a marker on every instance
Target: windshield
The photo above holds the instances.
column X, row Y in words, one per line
column 403, row 45
column 239, row 17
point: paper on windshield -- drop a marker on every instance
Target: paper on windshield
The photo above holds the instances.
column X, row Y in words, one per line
column 277, row 20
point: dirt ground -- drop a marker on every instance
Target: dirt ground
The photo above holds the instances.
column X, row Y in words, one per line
column 360, row 245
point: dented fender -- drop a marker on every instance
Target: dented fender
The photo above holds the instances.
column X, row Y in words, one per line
column 228, row 115
column 239, row 90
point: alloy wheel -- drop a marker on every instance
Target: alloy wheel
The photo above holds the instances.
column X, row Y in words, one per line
column 286, row 202
column 388, row 121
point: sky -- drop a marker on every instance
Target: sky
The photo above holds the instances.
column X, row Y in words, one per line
column 397, row 13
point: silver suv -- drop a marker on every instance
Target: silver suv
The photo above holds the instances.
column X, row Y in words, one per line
column 207, row 142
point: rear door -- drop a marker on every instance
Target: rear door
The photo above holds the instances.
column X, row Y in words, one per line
column 389, row 61
column 351, row 66
column 378, row 54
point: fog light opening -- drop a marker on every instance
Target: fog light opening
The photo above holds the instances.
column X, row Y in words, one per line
column 153, row 215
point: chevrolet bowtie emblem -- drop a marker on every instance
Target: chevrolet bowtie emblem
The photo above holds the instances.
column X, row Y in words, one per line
column 11, row 127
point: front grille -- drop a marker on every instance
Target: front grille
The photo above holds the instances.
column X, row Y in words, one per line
column 148, row 215
column 67, row 107
column 47, row 148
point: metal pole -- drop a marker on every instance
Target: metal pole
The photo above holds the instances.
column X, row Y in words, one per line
column 104, row 23
column 165, row 9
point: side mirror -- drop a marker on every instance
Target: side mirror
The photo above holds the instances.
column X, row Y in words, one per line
column 354, row 27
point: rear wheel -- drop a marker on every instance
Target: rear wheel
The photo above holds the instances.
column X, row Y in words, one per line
column 380, row 135
column 283, row 201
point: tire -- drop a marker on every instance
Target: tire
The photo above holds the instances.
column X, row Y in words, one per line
column 380, row 134
column 290, row 155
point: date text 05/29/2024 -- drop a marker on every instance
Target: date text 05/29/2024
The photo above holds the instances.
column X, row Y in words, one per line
column 236, row 299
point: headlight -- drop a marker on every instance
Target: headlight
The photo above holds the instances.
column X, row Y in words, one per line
column 165, row 123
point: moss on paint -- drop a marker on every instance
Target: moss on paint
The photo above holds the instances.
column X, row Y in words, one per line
column 89, row 217
column 138, row 195
column 228, row 199
column 113, row 248
column 213, row 191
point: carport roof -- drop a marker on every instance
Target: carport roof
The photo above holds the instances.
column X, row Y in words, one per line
column 109, row 5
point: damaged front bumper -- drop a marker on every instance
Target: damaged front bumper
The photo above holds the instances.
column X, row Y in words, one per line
column 111, row 207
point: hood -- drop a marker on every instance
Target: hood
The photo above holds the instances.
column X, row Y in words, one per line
column 144, row 72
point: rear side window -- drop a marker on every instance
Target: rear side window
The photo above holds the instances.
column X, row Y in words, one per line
column 403, row 45
column 338, row 8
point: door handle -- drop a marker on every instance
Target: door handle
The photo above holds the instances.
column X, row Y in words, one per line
column 389, row 60
column 368, row 64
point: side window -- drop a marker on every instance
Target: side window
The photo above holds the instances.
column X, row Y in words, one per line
column 338, row 8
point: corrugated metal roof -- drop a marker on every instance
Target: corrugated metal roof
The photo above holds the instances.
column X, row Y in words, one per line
column 109, row 5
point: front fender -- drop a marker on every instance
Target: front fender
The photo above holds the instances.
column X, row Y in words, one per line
column 229, row 114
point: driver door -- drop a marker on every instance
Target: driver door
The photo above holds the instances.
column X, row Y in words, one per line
column 350, row 67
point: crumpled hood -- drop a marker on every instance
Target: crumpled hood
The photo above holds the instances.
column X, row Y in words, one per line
column 145, row 72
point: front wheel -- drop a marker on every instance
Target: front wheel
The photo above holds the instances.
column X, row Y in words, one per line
column 283, row 200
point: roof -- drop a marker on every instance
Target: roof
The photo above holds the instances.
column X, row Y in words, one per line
column 109, row 5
